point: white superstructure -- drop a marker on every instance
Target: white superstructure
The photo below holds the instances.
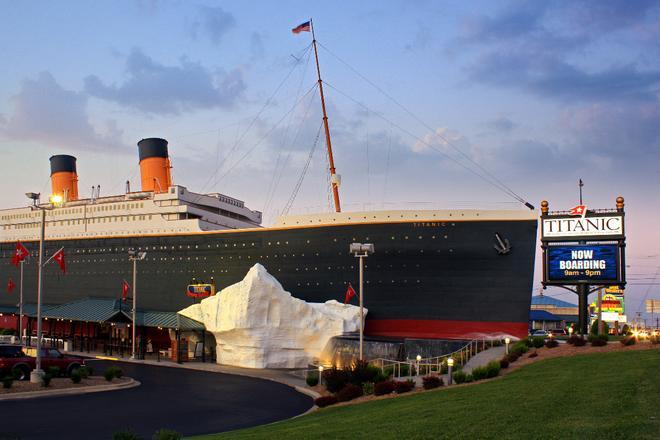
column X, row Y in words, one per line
column 175, row 211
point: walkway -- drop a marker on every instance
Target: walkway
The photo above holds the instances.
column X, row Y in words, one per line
column 484, row 357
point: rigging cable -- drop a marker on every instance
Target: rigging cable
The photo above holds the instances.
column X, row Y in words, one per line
column 414, row 136
column 253, row 121
column 501, row 185
column 265, row 136
column 279, row 169
column 289, row 203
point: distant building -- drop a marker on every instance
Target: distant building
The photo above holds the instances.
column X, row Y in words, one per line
column 562, row 313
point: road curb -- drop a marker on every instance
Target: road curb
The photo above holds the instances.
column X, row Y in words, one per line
column 71, row 391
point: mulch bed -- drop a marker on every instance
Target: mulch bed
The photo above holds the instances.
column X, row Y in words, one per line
column 58, row 383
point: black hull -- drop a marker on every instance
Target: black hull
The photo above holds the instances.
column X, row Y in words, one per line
column 421, row 271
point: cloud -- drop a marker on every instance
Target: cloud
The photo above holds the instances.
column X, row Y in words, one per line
column 156, row 88
column 257, row 49
column 501, row 124
column 212, row 22
column 550, row 77
column 45, row 112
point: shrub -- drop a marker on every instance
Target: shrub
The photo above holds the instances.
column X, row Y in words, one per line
column 493, row 369
column 54, row 371
column 335, row 379
column 594, row 328
column 393, row 370
column 45, row 380
column 598, row 340
column 512, row 357
column 166, row 434
column 85, row 371
column 125, row 435
column 459, row 376
column 367, row 388
column 504, row 363
column 109, row 375
column 431, row 382
column 349, row 392
column 655, row 339
column 380, row 377
column 469, row 378
column 625, row 330
column 404, row 386
column 386, row 387
column 538, row 342
column 533, row 354
column 362, row 371
column 576, row 340
column 551, row 343
column 76, row 377
column 312, row 378
column 527, row 342
column 118, row 372
column 7, row 382
column 324, row 401
column 630, row 340
column 479, row 373
column 519, row 347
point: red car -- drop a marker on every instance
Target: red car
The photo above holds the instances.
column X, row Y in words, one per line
column 16, row 360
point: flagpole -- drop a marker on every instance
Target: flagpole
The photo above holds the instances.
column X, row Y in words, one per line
column 20, row 308
column 580, row 184
column 331, row 162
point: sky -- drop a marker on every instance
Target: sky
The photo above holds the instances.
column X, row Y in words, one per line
column 431, row 104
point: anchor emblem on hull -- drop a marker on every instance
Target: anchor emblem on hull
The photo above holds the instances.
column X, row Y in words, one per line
column 502, row 246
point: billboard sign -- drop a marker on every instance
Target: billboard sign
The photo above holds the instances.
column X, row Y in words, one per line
column 572, row 227
column 593, row 264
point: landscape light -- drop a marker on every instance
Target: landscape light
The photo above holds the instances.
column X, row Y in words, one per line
column 507, row 341
column 450, row 362
column 419, row 358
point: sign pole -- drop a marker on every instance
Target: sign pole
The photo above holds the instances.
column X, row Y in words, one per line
column 583, row 308
column 20, row 308
column 601, row 327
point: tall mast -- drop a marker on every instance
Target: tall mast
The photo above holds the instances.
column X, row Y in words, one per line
column 334, row 180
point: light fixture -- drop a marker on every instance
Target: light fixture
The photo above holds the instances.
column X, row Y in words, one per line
column 56, row 199
column 450, row 362
column 419, row 358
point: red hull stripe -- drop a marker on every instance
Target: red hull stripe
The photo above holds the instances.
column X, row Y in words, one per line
column 432, row 329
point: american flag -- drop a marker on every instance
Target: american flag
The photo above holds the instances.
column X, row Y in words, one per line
column 305, row 27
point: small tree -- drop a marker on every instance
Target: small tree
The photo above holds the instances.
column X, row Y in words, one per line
column 594, row 328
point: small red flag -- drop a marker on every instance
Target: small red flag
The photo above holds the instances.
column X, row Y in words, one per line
column 304, row 27
column 578, row 210
column 19, row 255
column 59, row 258
column 125, row 287
column 350, row 293
column 10, row 286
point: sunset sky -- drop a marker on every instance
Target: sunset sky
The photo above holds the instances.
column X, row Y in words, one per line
column 536, row 94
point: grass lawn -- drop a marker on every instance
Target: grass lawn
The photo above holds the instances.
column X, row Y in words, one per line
column 602, row 396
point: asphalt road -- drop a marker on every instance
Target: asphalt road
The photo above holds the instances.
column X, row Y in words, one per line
column 190, row 402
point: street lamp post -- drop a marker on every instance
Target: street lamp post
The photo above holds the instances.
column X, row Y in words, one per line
column 134, row 256
column 419, row 359
column 450, row 365
column 36, row 376
column 361, row 251
column 320, row 374
column 507, row 341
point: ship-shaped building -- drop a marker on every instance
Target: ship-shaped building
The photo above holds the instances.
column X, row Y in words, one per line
column 435, row 274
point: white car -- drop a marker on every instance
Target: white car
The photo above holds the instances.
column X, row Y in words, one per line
column 537, row 333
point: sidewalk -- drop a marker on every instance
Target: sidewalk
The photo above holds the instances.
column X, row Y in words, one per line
column 283, row 376
column 484, row 357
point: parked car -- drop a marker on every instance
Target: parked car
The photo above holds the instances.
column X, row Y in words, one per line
column 537, row 333
column 558, row 332
column 20, row 361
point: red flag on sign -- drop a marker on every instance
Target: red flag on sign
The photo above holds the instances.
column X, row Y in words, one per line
column 19, row 255
column 125, row 287
column 59, row 258
column 10, row 286
column 578, row 210
column 350, row 293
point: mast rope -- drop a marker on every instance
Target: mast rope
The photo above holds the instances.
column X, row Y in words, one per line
column 442, row 153
column 281, row 165
column 292, row 198
column 253, row 121
column 501, row 185
column 265, row 136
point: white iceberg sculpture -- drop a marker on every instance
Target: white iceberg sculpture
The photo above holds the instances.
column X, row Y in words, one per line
column 257, row 324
